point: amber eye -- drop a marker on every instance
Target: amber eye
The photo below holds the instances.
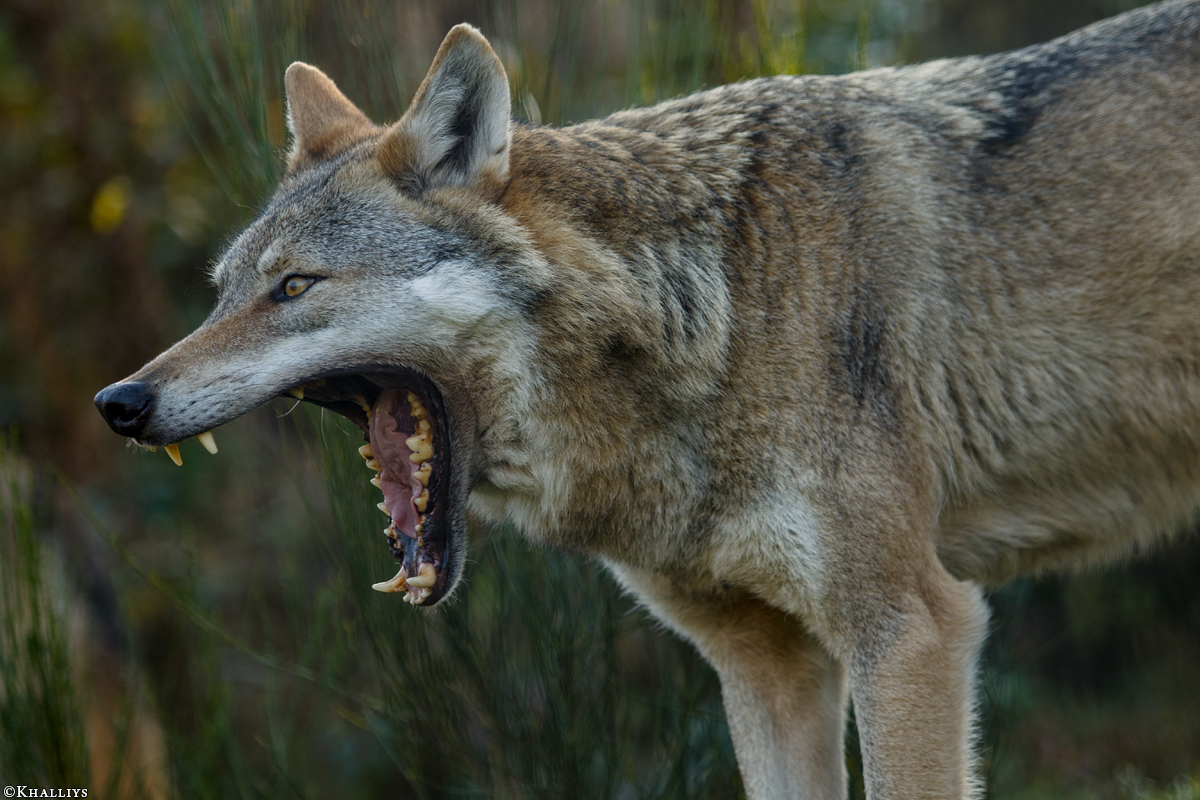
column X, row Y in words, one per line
column 297, row 285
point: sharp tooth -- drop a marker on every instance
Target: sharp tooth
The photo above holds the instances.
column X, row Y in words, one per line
column 210, row 444
column 297, row 393
column 366, row 452
column 418, row 410
column 373, row 464
column 173, row 452
column 423, row 474
column 396, row 584
column 383, row 507
column 426, row 576
column 376, row 482
column 421, row 500
column 421, row 447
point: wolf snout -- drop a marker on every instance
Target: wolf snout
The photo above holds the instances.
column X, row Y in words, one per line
column 126, row 407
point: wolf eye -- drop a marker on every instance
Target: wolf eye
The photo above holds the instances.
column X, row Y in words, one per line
column 295, row 285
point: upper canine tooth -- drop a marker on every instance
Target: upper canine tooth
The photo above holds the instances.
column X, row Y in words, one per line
column 426, row 576
column 396, row 584
column 173, row 452
column 423, row 473
column 297, row 392
column 366, row 452
column 206, row 439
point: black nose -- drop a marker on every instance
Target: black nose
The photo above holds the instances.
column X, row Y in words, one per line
column 126, row 407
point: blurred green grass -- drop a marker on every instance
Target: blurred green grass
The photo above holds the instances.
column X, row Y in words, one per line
column 229, row 642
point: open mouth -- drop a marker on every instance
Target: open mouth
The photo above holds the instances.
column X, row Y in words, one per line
column 403, row 418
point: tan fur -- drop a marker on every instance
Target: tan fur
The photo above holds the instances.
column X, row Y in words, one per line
column 806, row 361
column 323, row 122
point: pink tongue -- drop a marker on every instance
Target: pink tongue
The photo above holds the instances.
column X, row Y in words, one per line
column 391, row 425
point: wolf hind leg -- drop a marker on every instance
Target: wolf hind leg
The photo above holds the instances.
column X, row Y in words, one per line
column 785, row 697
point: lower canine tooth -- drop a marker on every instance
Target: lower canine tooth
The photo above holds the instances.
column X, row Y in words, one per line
column 210, row 444
column 173, row 452
column 396, row 584
column 426, row 576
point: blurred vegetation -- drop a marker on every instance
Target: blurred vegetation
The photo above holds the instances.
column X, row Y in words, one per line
column 211, row 631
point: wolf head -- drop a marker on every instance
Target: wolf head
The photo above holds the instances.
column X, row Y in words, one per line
column 366, row 286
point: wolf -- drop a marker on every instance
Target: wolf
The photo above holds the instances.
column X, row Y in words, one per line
column 807, row 362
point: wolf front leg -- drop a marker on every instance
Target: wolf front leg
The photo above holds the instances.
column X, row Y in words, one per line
column 912, row 660
column 785, row 697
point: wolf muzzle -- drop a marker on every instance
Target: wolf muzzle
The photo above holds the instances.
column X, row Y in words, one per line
column 126, row 407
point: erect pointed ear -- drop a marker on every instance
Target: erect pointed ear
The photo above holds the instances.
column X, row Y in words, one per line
column 322, row 121
column 455, row 132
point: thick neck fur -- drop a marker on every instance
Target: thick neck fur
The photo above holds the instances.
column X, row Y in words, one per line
column 641, row 240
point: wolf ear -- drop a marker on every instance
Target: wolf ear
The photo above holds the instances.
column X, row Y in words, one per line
column 322, row 121
column 455, row 132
